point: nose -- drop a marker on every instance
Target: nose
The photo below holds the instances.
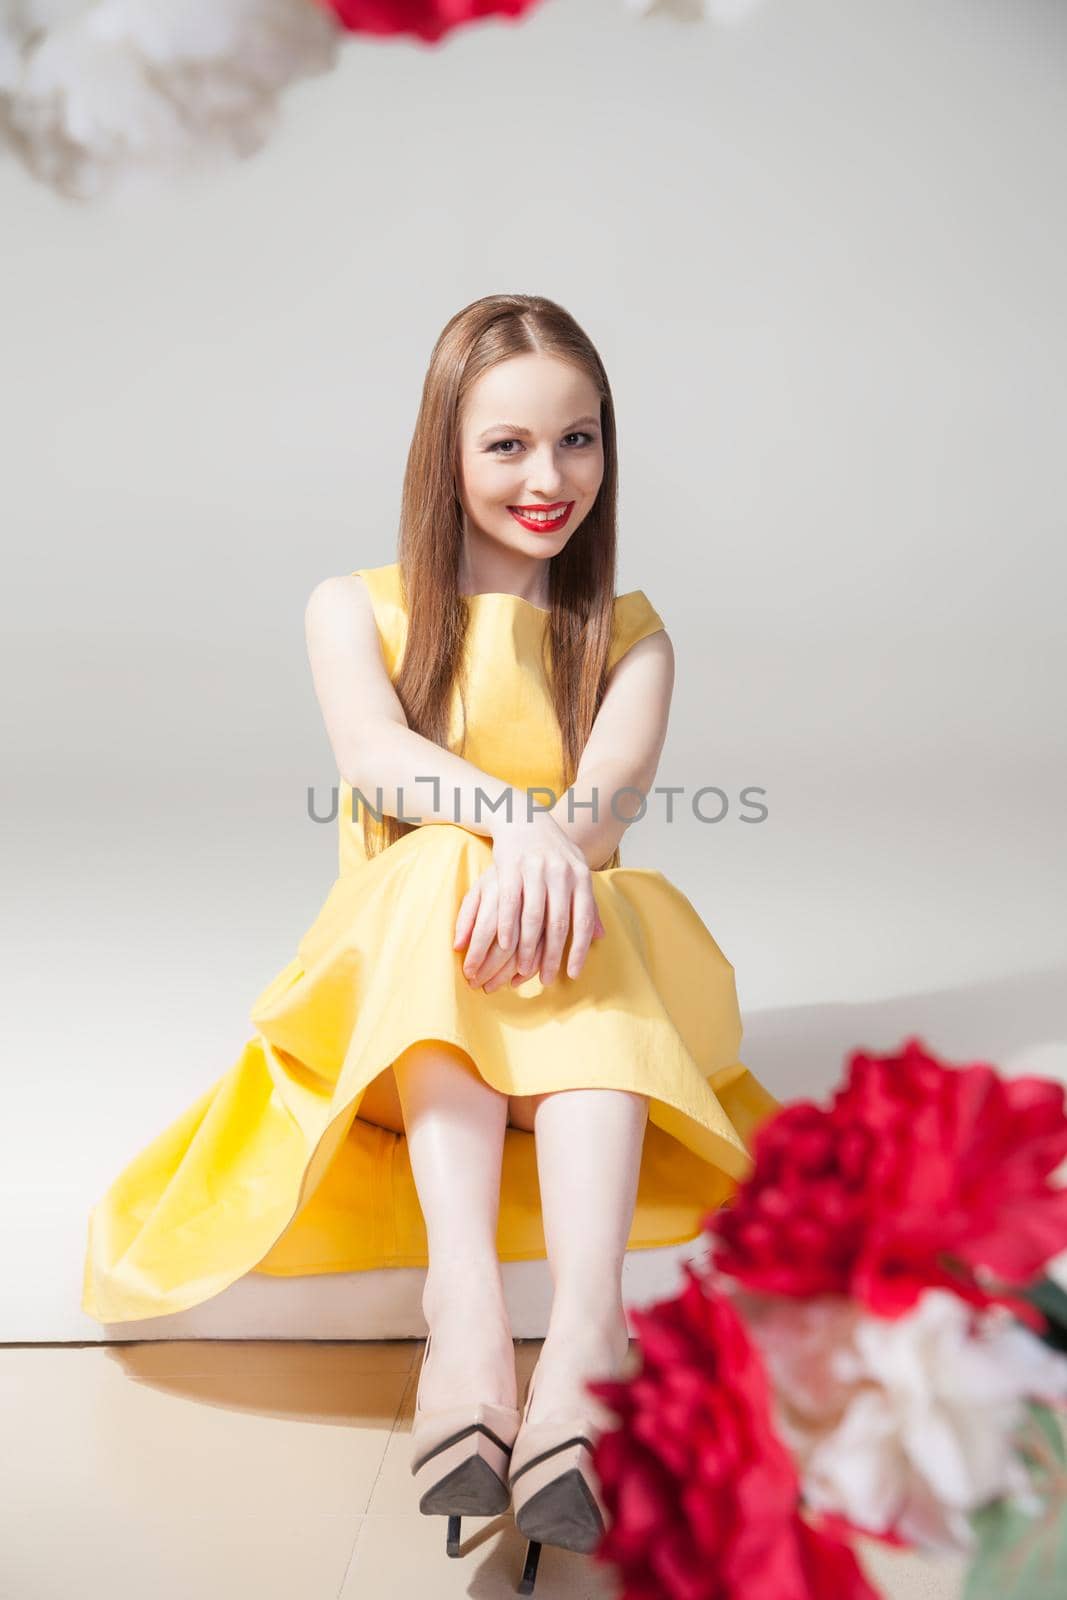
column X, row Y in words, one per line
column 543, row 475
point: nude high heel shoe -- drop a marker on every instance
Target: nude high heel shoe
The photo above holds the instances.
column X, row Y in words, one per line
column 459, row 1458
column 554, row 1488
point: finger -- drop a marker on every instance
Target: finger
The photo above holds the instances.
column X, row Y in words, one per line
column 483, row 933
column 583, row 921
column 557, row 921
column 496, row 962
column 503, row 973
column 531, row 923
column 524, row 977
column 509, row 905
column 468, row 910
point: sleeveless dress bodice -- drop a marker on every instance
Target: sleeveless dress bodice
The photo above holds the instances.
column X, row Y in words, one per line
column 510, row 722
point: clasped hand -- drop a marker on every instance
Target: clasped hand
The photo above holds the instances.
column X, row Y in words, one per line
column 515, row 917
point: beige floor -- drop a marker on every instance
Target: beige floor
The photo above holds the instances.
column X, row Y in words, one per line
column 225, row 1469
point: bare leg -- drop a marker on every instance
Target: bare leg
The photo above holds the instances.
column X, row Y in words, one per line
column 454, row 1122
column 589, row 1145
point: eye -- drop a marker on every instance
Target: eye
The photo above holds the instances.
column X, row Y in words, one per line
column 497, row 446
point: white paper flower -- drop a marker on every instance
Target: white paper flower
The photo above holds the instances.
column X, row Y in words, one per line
column 93, row 91
column 905, row 1422
column 725, row 12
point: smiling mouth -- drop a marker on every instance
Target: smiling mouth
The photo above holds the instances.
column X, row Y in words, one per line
column 541, row 517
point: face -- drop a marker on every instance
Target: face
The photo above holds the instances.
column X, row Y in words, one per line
column 530, row 441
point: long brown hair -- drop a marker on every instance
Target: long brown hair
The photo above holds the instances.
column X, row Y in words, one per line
column 581, row 577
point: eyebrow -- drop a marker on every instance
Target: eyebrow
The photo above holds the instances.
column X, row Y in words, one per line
column 513, row 427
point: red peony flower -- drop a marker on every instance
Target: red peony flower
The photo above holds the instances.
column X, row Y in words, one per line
column 702, row 1495
column 917, row 1175
column 426, row 19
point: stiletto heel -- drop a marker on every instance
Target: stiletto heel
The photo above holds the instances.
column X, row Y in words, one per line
column 554, row 1489
column 529, row 1571
column 459, row 1459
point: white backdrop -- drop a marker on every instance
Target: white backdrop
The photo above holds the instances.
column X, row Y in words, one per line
column 822, row 255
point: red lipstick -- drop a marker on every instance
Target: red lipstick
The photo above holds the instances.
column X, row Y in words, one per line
column 552, row 524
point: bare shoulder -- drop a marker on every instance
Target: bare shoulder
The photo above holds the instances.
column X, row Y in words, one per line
column 657, row 643
column 346, row 591
column 342, row 602
column 631, row 723
column 650, row 655
column 339, row 622
column 348, row 665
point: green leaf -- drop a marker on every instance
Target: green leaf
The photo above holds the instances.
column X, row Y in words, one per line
column 1050, row 1423
column 1047, row 1296
column 1020, row 1556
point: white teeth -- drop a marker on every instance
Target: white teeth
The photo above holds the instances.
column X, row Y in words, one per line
column 543, row 516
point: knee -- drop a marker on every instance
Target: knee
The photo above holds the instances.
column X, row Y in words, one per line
column 448, row 836
column 446, row 1065
column 431, row 1052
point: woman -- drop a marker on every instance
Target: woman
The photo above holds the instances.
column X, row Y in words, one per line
column 495, row 1042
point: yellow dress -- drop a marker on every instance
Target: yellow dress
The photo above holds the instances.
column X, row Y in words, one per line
column 273, row 1170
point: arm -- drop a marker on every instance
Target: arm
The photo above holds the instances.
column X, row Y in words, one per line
column 367, row 728
column 623, row 748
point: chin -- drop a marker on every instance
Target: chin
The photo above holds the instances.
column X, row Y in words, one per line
column 515, row 537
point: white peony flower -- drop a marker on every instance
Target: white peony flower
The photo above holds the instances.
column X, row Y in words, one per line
column 906, row 1422
column 92, row 91
column 725, row 12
